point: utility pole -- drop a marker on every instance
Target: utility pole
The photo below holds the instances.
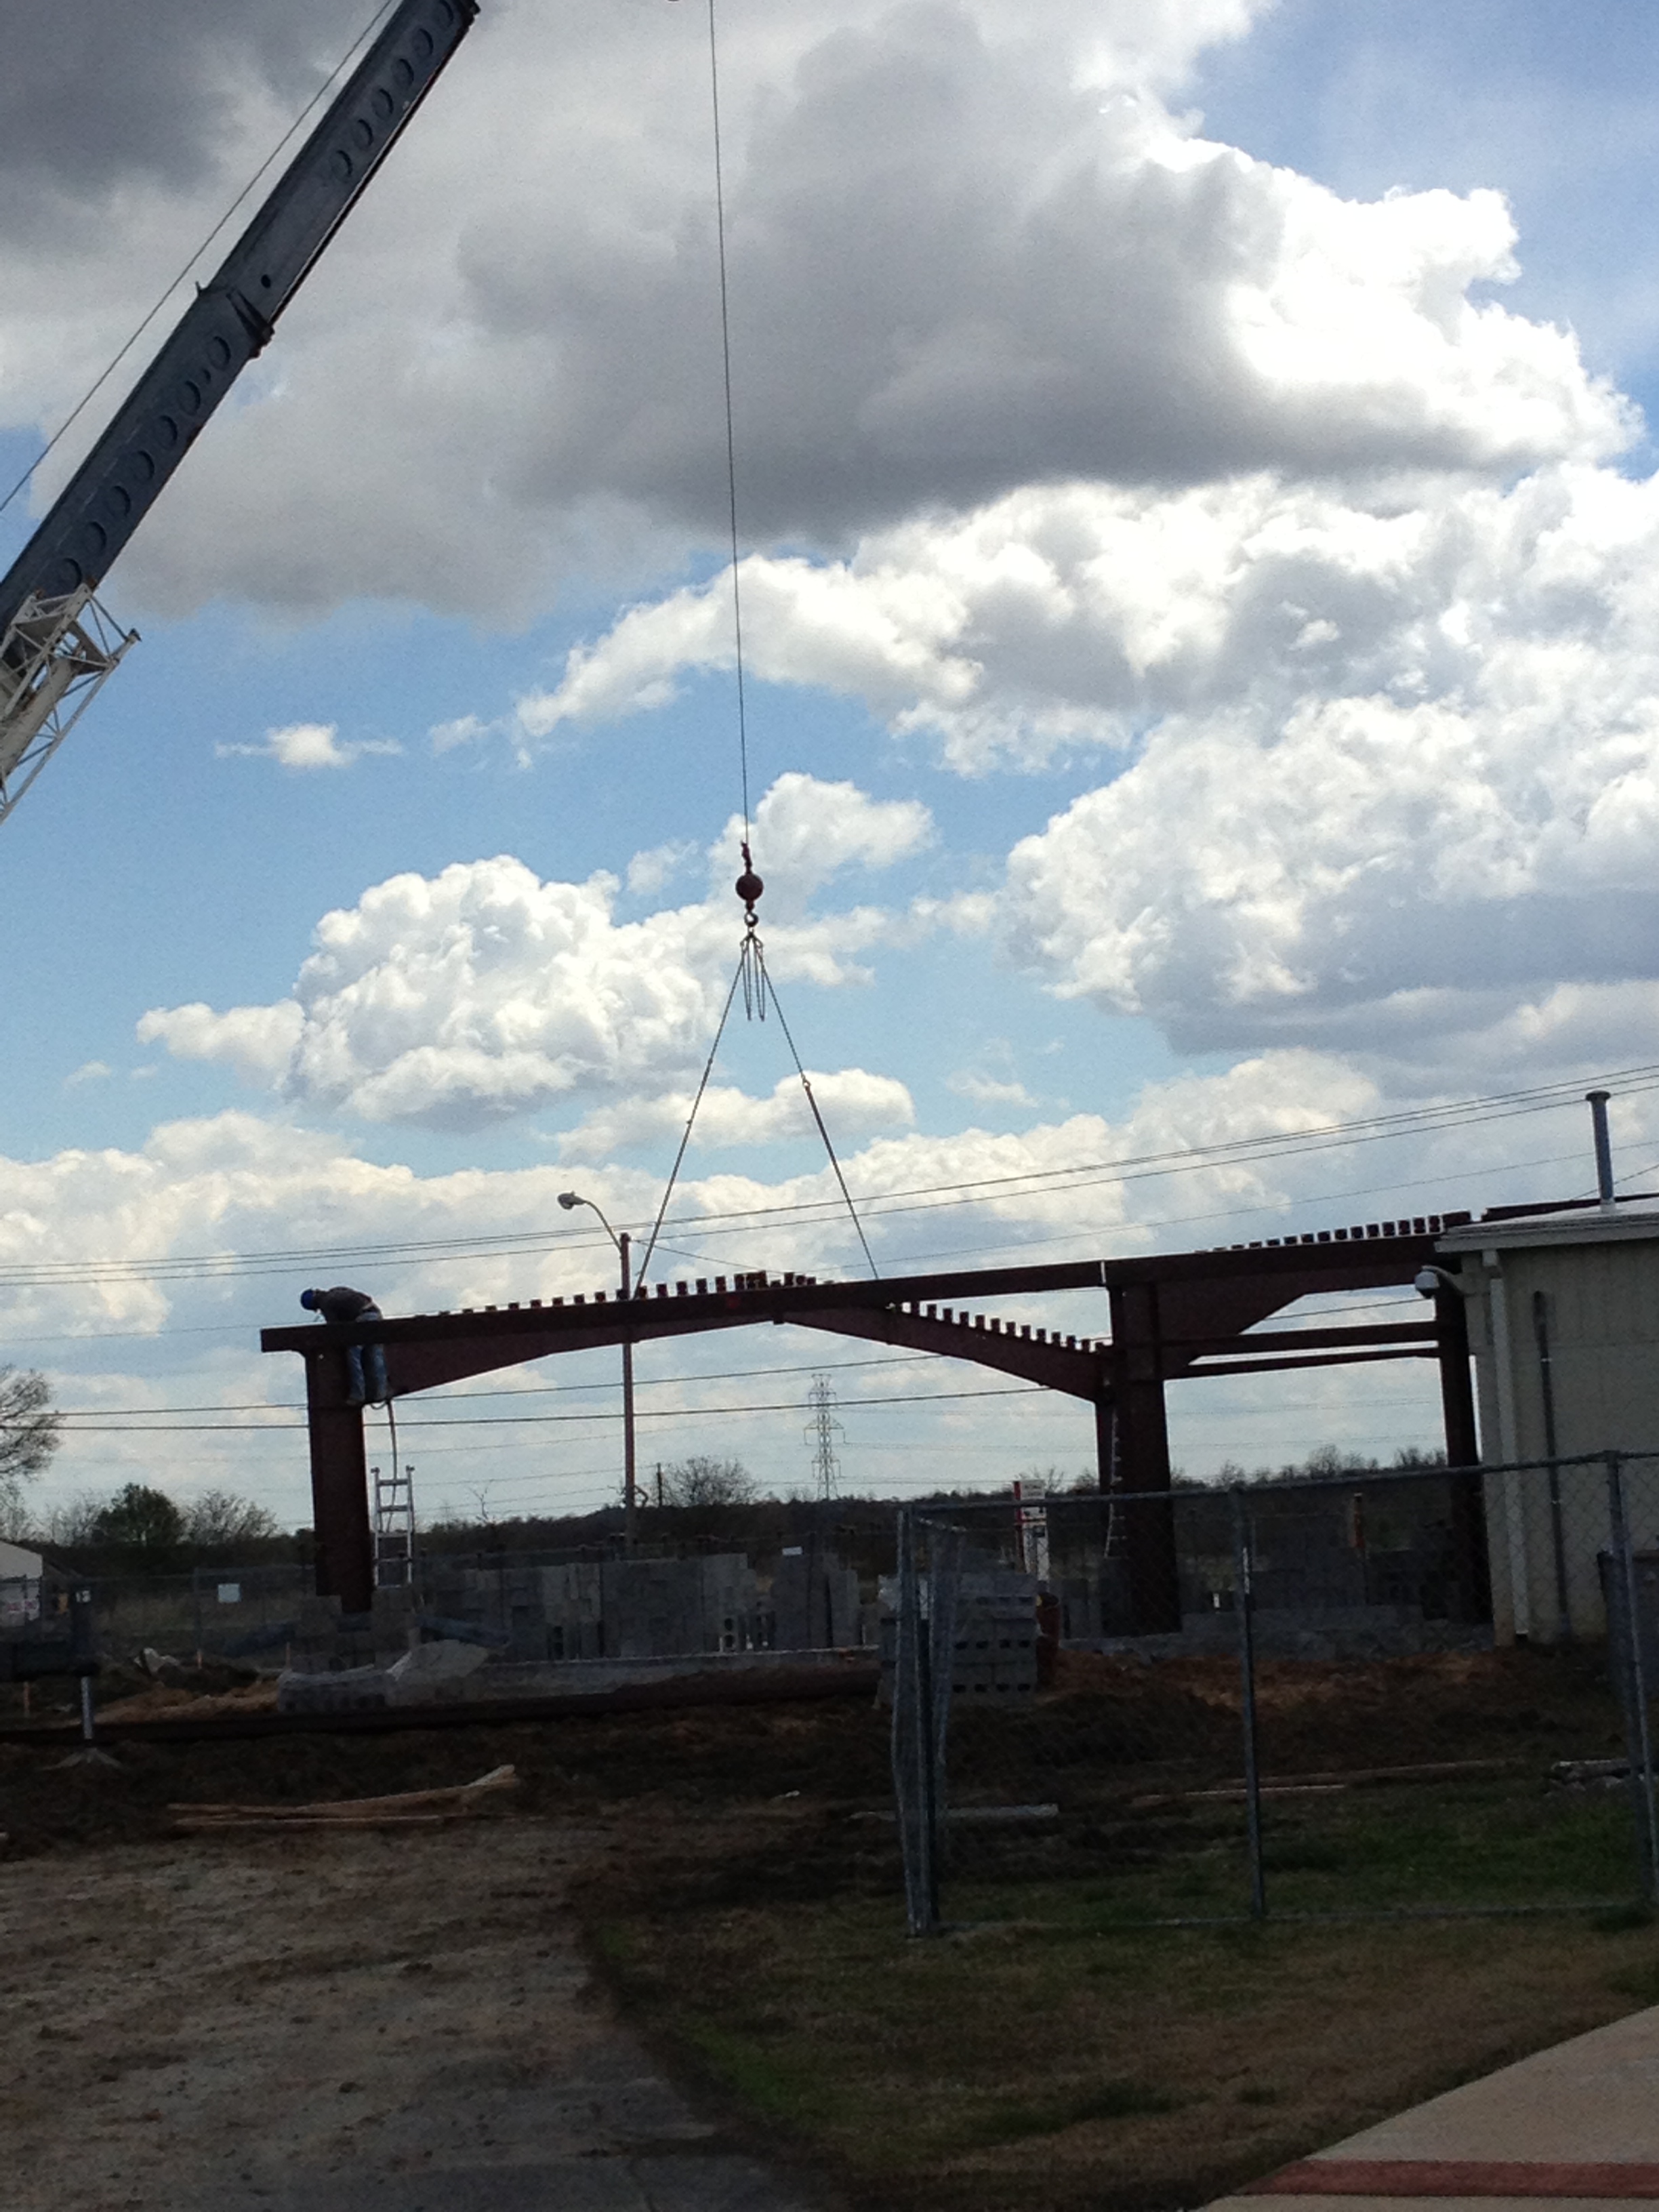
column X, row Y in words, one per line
column 821, row 1433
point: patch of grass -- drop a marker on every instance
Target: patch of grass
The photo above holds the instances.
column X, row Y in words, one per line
column 1047, row 2049
column 1618, row 1918
column 1309, row 1856
column 1640, row 1982
column 1056, row 2043
column 764, row 2083
column 1105, row 2100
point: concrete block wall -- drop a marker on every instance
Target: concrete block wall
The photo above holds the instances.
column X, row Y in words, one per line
column 572, row 1600
column 587, row 1610
column 815, row 1603
column 653, row 1607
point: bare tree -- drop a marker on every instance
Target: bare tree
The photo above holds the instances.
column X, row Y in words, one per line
column 218, row 1519
column 29, row 1435
column 700, row 1480
column 1052, row 1481
column 72, row 1520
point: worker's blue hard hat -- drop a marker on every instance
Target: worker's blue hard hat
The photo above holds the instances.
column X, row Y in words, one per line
column 308, row 1300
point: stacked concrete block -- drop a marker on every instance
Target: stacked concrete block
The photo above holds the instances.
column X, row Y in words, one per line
column 654, row 1608
column 315, row 1636
column 815, row 1603
column 613, row 1609
column 573, row 1601
column 994, row 1659
column 993, row 1655
column 395, row 1621
column 523, row 1616
column 1096, row 1603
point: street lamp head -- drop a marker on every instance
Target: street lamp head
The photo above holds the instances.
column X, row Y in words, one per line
column 569, row 1198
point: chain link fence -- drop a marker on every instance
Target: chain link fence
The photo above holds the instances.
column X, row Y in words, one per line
column 549, row 1607
column 220, row 1612
column 1418, row 1692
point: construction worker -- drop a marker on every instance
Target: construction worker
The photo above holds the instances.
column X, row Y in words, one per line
column 339, row 1307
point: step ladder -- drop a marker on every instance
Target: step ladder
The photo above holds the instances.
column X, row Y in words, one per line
column 394, row 1527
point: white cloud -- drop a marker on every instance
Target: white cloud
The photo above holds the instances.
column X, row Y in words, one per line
column 258, row 1041
column 90, row 1071
column 464, row 730
column 852, row 1101
column 1391, row 757
column 970, row 246
column 649, row 871
column 1458, row 814
column 807, row 831
column 483, row 993
column 989, row 1090
column 308, row 745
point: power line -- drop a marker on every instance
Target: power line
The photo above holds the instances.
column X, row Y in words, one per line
column 927, row 1197
column 533, row 1390
column 225, row 1331
column 541, row 1420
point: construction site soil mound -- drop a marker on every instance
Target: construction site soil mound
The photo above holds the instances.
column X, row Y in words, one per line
column 1115, row 1725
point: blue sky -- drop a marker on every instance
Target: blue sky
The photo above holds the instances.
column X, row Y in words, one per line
column 1201, row 616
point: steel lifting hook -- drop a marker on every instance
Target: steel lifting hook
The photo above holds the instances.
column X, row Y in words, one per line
column 749, row 887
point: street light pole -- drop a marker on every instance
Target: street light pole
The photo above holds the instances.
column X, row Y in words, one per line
column 624, row 1244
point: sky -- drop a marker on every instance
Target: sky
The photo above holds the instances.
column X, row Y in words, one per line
column 1199, row 561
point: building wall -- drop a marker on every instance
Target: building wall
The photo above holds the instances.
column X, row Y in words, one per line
column 1599, row 1278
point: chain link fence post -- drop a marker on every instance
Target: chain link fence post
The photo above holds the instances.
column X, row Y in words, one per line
column 1625, row 1655
column 914, row 1764
column 943, row 1586
column 1245, row 1608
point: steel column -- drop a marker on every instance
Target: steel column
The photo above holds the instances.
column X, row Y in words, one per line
column 1143, row 1459
column 339, row 1484
column 1471, row 1567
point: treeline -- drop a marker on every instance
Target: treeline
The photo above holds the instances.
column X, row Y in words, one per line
column 707, row 1505
column 1328, row 1461
column 141, row 1530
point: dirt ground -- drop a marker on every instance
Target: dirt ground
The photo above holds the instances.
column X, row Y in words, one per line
column 358, row 2023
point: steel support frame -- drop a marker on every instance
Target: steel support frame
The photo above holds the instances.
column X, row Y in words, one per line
column 53, row 659
column 1174, row 1316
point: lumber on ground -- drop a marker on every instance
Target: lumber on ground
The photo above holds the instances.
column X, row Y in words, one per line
column 452, row 1797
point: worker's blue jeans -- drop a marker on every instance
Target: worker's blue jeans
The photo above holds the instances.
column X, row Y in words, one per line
column 366, row 1368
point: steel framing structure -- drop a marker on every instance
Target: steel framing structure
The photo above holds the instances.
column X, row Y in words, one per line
column 1173, row 1316
column 54, row 656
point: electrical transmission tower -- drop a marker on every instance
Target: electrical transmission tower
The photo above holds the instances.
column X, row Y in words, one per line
column 821, row 1433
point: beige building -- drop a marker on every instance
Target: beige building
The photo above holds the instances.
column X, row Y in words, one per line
column 20, row 1585
column 1563, row 1325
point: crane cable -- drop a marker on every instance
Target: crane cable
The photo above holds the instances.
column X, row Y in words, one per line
column 730, row 427
column 751, row 975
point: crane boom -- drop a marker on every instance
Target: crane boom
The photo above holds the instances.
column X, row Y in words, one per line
column 56, row 645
